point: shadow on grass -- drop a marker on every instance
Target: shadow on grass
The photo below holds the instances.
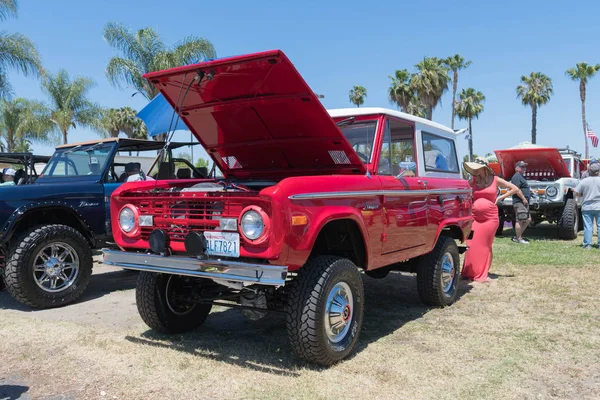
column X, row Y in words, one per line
column 100, row 285
column 228, row 337
column 543, row 231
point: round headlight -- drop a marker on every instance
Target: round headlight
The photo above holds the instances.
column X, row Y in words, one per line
column 127, row 219
column 551, row 191
column 252, row 225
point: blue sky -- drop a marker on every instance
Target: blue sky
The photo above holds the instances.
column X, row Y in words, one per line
column 337, row 44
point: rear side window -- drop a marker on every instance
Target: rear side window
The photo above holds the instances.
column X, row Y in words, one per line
column 439, row 153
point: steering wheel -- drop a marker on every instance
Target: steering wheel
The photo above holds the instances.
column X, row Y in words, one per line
column 363, row 157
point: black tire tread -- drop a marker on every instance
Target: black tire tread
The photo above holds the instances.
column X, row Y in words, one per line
column 567, row 221
column 302, row 308
column 428, row 273
column 15, row 281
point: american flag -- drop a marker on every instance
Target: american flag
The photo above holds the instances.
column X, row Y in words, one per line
column 592, row 136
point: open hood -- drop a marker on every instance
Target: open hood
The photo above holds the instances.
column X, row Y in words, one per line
column 543, row 163
column 257, row 118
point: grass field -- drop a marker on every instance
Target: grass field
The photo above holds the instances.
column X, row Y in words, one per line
column 532, row 333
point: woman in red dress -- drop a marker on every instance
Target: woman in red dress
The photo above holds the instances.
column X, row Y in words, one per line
column 478, row 258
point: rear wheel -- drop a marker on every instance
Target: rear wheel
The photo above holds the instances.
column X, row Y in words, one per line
column 568, row 223
column 163, row 303
column 325, row 310
column 437, row 274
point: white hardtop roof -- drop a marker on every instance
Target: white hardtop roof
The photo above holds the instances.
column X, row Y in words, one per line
column 349, row 112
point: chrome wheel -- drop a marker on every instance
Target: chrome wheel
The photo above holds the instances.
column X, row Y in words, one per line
column 448, row 272
column 338, row 312
column 56, row 267
column 175, row 297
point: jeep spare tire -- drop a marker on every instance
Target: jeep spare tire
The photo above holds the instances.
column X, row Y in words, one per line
column 49, row 266
column 325, row 309
column 438, row 274
column 568, row 223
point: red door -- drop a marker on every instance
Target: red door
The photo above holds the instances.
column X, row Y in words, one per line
column 405, row 203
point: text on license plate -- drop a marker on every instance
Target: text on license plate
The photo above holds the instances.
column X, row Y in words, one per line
column 226, row 244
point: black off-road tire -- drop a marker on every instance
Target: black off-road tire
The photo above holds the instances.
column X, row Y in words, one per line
column 18, row 274
column 429, row 274
column 568, row 223
column 155, row 310
column 306, row 308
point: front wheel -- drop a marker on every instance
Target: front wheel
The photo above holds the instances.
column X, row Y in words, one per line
column 568, row 223
column 325, row 310
column 50, row 266
column 437, row 274
column 163, row 303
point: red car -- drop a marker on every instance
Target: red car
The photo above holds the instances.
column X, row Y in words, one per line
column 309, row 200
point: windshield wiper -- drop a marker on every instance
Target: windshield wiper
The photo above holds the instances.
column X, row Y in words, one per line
column 346, row 121
column 92, row 148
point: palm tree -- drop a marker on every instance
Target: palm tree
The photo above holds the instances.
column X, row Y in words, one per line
column 143, row 52
column 468, row 107
column 416, row 107
column 22, row 120
column 430, row 82
column 400, row 92
column 123, row 120
column 16, row 51
column 455, row 63
column 534, row 91
column 70, row 106
column 582, row 73
column 357, row 95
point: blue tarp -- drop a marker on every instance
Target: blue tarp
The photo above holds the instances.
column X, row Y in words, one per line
column 157, row 117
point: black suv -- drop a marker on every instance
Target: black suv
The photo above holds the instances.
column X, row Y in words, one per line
column 50, row 227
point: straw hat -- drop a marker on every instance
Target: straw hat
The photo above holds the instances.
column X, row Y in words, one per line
column 479, row 163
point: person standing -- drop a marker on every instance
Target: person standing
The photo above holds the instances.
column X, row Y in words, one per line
column 521, row 202
column 478, row 258
column 589, row 190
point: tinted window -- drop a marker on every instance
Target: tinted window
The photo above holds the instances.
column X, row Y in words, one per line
column 439, row 153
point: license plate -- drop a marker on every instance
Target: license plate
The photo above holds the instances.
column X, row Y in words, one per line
column 226, row 244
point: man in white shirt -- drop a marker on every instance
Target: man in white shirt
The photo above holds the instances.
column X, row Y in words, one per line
column 589, row 190
column 133, row 170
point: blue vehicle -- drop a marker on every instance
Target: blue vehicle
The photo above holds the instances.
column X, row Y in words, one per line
column 51, row 226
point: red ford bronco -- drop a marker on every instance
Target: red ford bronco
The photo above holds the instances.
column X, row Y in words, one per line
column 309, row 200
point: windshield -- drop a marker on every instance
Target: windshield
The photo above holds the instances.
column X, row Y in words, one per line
column 361, row 136
column 87, row 160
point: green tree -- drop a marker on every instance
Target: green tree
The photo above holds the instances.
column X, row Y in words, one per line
column 70, row 106
column 144, row 51
column 468, row 107
column 416, row 107
column 583, row 72
column 202, row 163
column 357, row 95
column 430, row 82
column 400, row 92
column 534, row 91
column 123, row 120
column 22, row 120
column 17, row 52
column 455, row 63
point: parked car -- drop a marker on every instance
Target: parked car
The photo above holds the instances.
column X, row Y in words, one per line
column 26, row 165
column 552, row 174
column 299, row 213
column 50, row 227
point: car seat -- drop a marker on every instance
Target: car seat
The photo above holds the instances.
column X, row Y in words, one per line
column 20, row 177
column 184, row 173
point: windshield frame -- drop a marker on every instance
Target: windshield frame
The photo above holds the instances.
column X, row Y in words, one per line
column 358, row 120
column 58, row 153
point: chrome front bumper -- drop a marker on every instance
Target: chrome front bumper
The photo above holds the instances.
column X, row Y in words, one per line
column 218, row 270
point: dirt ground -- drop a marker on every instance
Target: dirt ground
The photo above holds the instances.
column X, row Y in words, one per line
column 533, row 333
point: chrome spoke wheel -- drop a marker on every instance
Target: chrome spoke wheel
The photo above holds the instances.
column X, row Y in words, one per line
column 448, row 272
column 338, row 312
column 56, row 267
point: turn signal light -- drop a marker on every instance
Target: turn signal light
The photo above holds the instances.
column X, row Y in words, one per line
column 298, row 220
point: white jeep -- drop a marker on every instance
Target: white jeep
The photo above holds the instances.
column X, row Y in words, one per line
column 552, row 174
